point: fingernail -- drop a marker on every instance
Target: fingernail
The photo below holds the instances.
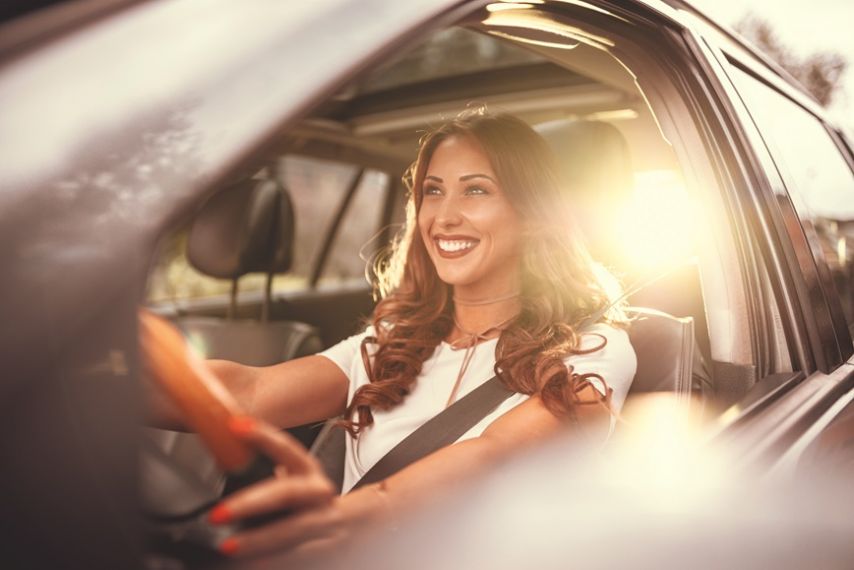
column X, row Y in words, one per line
column 241, row 425
column 220, row 514
column 229, row 547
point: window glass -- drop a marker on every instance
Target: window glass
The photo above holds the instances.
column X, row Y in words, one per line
column 316, row 187
column 357, row 237
column 819, row 180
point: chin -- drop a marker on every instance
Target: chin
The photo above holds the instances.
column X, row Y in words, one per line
column 457, row 278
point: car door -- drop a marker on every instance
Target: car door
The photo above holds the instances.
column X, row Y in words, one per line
column 117, row 120
column 805, row 188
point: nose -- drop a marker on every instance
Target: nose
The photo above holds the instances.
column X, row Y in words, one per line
column 448, row 215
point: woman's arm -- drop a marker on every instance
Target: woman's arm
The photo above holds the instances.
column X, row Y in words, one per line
column 288, row 394
column 527, row 424
column 292, row 393
column 523, row 427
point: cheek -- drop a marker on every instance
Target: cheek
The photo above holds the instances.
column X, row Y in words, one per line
column 504, row 225
column 423, row 222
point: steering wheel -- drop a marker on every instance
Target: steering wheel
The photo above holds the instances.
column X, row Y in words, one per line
column 205, row 403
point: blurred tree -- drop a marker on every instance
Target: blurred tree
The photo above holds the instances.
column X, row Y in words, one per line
column 820, row 73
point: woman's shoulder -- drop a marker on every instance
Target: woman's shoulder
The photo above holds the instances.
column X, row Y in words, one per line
column 613, row 336
column 346, row 350
column 606, row 351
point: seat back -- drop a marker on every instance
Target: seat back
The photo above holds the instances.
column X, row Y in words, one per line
column 250, row 342
column 668, row 359
column 597, row 170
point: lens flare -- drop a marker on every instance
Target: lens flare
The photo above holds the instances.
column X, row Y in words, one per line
column 657, row 226
column 660, row 451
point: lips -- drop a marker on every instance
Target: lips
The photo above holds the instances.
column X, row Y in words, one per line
column 454, row 246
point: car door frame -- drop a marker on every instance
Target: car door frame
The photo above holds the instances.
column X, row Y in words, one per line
column 778, row 414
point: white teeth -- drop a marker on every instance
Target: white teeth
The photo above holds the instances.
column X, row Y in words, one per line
column 454, row 245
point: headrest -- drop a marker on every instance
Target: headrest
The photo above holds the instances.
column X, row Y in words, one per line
column 247, row 227
column 594, row 154
column 597, row 169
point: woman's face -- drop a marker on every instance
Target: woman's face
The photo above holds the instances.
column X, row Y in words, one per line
column 471, row 231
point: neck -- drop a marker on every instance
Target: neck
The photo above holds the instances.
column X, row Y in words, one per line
column 478, row 315
column 487, row 303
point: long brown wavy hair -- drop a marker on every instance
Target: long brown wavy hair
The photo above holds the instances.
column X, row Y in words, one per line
column 562, row 287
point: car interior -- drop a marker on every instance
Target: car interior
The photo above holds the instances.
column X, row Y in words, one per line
column 272, row 266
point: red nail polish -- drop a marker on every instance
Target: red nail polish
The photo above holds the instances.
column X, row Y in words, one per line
column 220, row 515
column 229, row 547
column 241, row 425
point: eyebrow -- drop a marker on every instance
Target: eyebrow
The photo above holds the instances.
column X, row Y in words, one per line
column 462, row 178
column 478, row 175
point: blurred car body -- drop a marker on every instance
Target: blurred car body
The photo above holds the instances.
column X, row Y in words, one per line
column 120, row 119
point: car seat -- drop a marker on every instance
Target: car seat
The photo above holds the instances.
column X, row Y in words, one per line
column 247, row 227
column 597, row 169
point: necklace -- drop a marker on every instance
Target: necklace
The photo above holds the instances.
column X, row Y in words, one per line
column 481, row 302
column 470, row 342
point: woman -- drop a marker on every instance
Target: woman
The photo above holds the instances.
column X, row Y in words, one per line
column 487, row 278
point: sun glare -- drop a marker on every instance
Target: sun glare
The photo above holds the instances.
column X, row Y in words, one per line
column 660, row 453
column 657, row 226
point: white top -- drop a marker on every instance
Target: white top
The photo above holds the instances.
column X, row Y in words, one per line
column 616, row 363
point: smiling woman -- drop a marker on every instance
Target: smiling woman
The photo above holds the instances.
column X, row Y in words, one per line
column 489, row 226
column 488, row 254
column 486, row 279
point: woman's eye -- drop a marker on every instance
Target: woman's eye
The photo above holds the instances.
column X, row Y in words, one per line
column 431, row 191
column 475, row 190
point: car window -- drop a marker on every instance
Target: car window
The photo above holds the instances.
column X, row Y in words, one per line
column 819, row 181
column 317, row 188
column 357, row 237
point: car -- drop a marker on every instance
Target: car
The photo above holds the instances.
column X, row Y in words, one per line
column 142, row 142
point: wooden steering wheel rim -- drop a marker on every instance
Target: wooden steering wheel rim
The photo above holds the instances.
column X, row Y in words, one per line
column 206, row 404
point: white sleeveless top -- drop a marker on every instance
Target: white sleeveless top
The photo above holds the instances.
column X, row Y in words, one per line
column 616, row 363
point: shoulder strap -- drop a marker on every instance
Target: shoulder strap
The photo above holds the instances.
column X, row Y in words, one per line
column 443, row 429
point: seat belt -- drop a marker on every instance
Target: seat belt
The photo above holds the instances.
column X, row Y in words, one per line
column 442, row 430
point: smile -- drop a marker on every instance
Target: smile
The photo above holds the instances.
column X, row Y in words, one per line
column 454, row 247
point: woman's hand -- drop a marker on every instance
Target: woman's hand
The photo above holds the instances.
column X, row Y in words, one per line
column 299, row 486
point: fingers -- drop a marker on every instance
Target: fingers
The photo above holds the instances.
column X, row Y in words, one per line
column 316, row 525
column 275, row 444
column 272, row 495
column 299, row 482
column 301, row 486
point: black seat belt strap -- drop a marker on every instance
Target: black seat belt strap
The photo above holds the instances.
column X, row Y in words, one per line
column 443, row 429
